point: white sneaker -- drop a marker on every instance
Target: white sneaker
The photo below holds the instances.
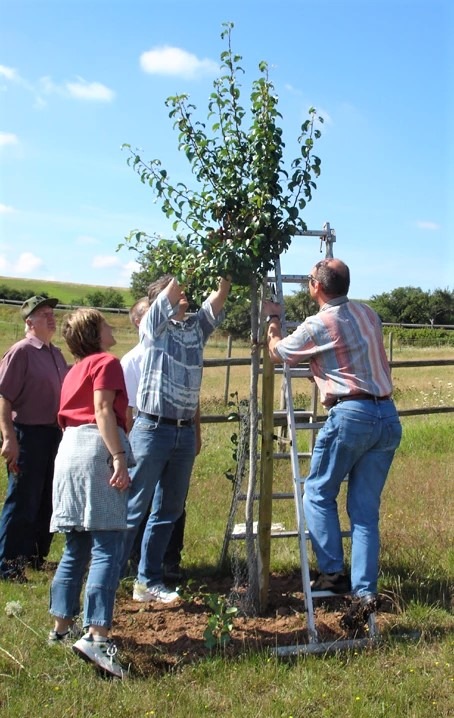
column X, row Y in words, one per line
column 158, row 592
column 100, row 652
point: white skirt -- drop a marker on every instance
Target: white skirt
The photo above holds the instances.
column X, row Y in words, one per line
column 83, row 499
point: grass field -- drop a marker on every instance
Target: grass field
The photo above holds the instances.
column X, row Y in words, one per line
column 409, row 675
column 65, row 292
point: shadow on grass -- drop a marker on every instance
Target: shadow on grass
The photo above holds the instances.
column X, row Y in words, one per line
column 406, row 586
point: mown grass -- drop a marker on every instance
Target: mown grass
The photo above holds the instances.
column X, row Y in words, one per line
column 409, row 675
column 65, row 292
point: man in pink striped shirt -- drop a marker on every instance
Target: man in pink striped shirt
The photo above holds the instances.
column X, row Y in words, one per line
column 343, row 343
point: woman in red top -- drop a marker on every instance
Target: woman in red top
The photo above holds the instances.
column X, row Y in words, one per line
column 90, row 488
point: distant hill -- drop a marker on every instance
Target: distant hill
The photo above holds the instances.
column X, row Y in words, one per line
column 65, row 292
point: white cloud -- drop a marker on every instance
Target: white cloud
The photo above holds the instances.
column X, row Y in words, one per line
column 8, row 138
column 27, row 263
column 9, row 73
column 4, row 264
column 6, row 209
column 166, row 60
column 128, row 268
column 293, row 90
column 103, row 261
column 326, row 116
column 431, row 226
column 93, row 91
column 79, row 89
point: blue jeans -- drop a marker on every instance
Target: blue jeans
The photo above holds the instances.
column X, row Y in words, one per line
column 104, row 549
column 164, row 456
column 359, row 439
column 25, row 519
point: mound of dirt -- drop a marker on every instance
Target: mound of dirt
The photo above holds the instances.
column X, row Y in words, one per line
column 156, row 637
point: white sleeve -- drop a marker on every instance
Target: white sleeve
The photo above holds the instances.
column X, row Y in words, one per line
column 132, row 363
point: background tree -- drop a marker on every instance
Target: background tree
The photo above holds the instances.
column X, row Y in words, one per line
column 441, row 306
column 299, row 305
column 411, row 305
column 109, row 297
column 148, row 273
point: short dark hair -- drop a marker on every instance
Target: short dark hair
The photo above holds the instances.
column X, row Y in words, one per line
column 82, row 332
column 156, row 287
column 334, row 277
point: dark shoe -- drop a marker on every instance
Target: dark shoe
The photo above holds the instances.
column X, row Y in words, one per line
column 13, row 570
column 335, row 582
column 42, row 564
column 74, row 632
column 36, row 563
column 359, row 611
column 173, row 572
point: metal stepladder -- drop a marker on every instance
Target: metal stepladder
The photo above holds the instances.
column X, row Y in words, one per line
column 295, row 420
column 288, row 374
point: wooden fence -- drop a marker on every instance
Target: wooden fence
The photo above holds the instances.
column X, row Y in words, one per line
column 229, row 362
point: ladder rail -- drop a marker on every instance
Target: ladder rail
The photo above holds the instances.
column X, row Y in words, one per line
column 296, row 479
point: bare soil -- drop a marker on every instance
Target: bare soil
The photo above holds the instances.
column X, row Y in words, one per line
column 156, row 637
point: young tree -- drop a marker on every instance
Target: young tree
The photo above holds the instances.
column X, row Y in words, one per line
column 246, row 205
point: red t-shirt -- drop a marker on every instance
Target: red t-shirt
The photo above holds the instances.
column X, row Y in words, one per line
column 97, row 371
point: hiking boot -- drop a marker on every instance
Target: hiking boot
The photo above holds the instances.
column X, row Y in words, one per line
column 74, row 632
column 158, row 592
column 334, row 582
column 102, row 653
column 360, row 610
column 173, row 572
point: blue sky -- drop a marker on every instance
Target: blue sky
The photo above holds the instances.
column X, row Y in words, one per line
column 78, row 78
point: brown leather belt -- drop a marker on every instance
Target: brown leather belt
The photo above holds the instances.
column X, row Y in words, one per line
column 361, row 397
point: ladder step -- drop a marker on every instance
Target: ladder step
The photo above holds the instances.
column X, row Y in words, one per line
column 327, row 594
column 287, row 455
column 310, row 425
column 239, row 530
column 299, row 372
column 279, row 531
column 280, row 495
column 290, row 278
column 298, row 413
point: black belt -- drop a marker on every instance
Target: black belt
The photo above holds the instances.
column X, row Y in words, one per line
column 361, row 397
column 164, row 420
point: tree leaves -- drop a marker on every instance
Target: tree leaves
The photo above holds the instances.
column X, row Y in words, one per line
column 244, row 209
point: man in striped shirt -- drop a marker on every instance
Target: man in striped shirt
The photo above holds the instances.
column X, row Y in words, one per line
column 166, row 433
column 343, row 343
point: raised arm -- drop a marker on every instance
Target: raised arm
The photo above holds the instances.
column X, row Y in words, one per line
column 218, row 297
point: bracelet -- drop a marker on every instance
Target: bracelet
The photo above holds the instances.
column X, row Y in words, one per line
column 117, row 453
column 273, row 316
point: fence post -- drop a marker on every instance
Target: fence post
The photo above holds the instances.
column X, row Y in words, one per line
column 266, row 482
column 227, row 370
column 390, row 349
